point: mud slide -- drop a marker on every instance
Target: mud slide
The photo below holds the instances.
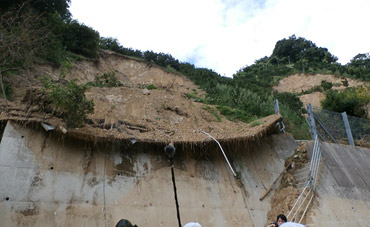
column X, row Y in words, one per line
column 53, row 181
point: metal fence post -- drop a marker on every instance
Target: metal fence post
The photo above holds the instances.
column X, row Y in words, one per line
column 311, row 120
column 348, row 129
column 277, row 109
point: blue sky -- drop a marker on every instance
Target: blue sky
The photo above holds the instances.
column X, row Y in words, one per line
column 226, row 35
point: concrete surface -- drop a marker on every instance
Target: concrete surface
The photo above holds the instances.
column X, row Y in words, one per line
column 343, row 189
column 48, row 180
column 51, row 181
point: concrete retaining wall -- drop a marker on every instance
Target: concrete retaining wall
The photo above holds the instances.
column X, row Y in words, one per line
column 53, row 181
column 343, row 189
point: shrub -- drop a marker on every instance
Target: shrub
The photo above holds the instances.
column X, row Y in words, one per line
column 326, row 85
column 311, row 90
column 106, row 80
column 194, row 96
column 351, row 100
column 291, row 100
column 213, row 112
column 295, row 123
column 69, row 100
column 151, row 87
column 233, row 114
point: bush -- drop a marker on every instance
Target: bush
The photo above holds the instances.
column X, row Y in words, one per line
column 213, row 112
column 106, row 80
column 70, row 101
column 295, row 123
column 326, row 85
column 291, row 100
column 311, row 90
column 352, row 100
column 233, row 114
column 151, row 87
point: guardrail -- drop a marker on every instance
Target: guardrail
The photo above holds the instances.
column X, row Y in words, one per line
column 300, row 207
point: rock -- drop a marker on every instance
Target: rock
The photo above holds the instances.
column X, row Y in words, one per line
column 145, row 91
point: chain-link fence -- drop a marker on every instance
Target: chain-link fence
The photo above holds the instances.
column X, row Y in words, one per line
column 330, row 126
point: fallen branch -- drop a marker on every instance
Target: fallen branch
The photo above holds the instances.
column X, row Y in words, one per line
column 273, row 183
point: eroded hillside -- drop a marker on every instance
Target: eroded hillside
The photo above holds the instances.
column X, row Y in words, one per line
column 303, row 82
column 163, row 113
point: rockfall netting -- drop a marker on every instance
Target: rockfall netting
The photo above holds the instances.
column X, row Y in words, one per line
column 333, row 123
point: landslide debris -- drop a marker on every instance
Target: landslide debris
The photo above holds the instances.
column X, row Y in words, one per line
column 149, row 104
column 287, row 193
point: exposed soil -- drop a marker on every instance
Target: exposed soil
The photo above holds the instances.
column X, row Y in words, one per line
column 286, row 195
column 131, row 111
column 302, row 82
column 314, row 98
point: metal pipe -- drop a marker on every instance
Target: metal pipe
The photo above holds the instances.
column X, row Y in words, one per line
column 221, row 150
column 299, row 198
column 305, row 210
column 317, row 168
column 313, row 154
column 312, row 179
column 313, row 158
column 298, row 209
column 283, row 127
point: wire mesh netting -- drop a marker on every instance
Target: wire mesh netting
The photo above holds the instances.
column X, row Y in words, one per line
column 330, row 126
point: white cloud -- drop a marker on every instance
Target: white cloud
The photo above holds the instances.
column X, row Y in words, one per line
column 225, row 35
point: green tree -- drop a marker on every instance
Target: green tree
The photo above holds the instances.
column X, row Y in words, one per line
column 295, row 49
column 114, row 45
column 361, row 60
column 81, row 39
column 43, row 7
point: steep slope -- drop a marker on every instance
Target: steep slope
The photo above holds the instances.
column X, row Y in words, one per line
column 132, row 111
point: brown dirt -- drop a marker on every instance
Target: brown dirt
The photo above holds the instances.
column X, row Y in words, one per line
column 298, row 159
column 132, row 111
column 286, row 195
column 281, row 202
column 313, row 98
column 302, row 82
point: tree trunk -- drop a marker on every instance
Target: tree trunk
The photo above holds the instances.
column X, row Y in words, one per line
column 2, row 87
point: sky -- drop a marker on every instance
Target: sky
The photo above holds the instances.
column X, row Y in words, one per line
column 227, row 35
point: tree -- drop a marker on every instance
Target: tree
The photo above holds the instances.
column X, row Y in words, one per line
column 81, row 39
column 22, row 40
column 361, row 60
column 43, row 7
column 359, row 66
column 296, row 49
